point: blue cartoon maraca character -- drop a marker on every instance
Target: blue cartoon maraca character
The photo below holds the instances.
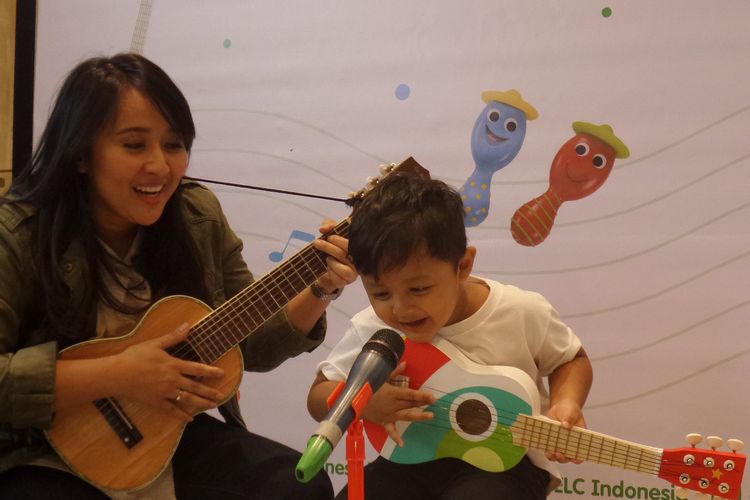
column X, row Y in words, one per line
column 497, row 137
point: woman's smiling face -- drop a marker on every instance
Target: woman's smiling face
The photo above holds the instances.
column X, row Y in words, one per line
column 135, row 166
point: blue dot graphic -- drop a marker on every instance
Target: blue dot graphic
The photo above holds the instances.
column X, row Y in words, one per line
column 402, row 92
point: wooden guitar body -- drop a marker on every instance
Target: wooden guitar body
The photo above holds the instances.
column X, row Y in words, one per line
column 119, row 444
column 87, row 441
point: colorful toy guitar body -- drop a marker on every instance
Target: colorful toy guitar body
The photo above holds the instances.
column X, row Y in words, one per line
column 489, row 417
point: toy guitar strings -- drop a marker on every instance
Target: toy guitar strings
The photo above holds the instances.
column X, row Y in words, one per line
column 488, row 417
column 475, row 419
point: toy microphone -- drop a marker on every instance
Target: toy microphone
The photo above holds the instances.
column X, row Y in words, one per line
column 371, row 369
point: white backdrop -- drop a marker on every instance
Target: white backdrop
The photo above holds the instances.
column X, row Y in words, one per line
column 651, row 270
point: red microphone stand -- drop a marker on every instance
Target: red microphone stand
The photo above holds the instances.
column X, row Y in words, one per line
column 355, row 441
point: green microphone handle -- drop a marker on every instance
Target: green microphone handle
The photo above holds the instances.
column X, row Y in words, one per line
column 314, row 458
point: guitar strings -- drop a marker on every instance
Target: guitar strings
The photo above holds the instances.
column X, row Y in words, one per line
column 510, row 419
column 261, row 293
column 299, row 271
column 286, row 273
column 609, row 454
column 606, row 452
column 600, row 449
column 203, row 342
column 202, row 333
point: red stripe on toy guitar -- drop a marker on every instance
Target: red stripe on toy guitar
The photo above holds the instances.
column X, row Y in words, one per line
column 489, row 417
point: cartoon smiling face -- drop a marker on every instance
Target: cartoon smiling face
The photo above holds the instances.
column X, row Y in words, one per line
column 580, row 167
column 497, row 136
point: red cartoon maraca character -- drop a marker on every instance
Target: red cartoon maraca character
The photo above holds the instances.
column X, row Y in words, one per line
column 579, row 168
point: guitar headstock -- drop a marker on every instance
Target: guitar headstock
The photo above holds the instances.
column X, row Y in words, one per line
column 710, row 472
column 407, row 167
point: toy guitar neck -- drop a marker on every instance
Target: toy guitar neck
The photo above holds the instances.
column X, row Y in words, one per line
column 489, row 417
column 708, row 471
column 582, row 444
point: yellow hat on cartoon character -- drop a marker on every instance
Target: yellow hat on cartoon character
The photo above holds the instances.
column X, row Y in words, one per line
column 606, row 134
column 512, row 98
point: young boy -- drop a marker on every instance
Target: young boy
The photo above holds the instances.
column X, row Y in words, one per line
column 408, row 242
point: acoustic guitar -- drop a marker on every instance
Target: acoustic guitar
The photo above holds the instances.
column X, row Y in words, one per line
column 121, row 444
column 489, row 417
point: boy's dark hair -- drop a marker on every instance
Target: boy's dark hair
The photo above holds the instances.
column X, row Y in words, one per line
column 402, row 215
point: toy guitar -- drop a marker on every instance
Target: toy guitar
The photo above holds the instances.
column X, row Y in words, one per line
column 122, row 444
column 493, row 421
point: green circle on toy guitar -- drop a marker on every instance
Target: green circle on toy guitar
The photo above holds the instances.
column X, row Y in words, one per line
column 438, row 438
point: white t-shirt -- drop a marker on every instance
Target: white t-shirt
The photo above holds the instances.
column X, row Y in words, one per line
column 513, row 327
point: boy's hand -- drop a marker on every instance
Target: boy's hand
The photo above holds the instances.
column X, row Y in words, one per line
column 391, row 403
column 569, row 385
column 569, row 414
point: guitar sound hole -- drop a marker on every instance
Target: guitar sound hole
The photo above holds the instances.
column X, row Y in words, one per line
column 473, row 417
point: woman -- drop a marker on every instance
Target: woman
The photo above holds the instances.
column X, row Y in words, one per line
column 98, row 227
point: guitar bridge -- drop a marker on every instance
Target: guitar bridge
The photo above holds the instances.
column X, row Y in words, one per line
column 119, row 421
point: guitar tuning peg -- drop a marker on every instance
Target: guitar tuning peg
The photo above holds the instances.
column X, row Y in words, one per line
column 694, row 438
column 384, row 169
column 714, row 442
column 371, row 181
column 735, row 445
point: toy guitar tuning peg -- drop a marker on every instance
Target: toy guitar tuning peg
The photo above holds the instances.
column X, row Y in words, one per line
column 735, row 445
column 714, row 442
column 694, row 438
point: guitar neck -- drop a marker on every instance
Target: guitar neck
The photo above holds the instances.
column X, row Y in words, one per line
column 582, row 444
column 239, row 317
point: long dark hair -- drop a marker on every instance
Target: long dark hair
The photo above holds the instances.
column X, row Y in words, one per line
column 87, row 102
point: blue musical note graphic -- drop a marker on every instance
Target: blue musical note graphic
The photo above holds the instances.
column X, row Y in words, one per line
column 295, row 235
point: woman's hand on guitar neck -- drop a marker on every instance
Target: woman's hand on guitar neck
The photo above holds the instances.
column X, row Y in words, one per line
column 305, row 309
column 391, row 403
column 339, row 268
column 149, row 374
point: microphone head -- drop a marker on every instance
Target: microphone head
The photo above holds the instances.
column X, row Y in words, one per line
column 388, row 343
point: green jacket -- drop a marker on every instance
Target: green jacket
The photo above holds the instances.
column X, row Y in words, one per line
column 27, row 359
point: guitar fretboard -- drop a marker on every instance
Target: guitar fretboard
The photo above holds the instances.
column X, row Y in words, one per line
column 240, row 316
column 583, row 444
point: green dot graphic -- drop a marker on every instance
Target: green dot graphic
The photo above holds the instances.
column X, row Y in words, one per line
column 606, row 12
column 227, row 43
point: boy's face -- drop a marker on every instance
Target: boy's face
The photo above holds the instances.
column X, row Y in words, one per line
column 422, row 296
